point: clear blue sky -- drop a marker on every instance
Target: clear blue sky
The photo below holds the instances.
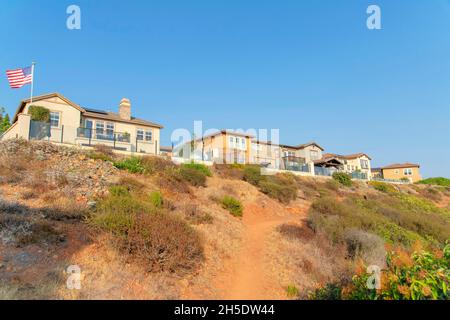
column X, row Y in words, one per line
column 310, row 68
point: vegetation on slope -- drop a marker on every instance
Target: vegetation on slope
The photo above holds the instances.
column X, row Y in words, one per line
column 436, row 181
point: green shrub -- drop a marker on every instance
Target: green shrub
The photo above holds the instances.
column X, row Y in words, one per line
column 383, row 187
column 156, row 199
column 332, row 291
column 278, row 189
column 425, row 276
column 343, row 178
column 252, row 174
column 292, row 291
column 233, row 205
column 119, row 191
column 39, row 113
column 199, row 167
column 398, row 218
column 193, row 176
column 132, row 164
column 440, row 181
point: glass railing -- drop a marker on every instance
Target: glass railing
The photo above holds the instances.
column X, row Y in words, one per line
column 101, row 134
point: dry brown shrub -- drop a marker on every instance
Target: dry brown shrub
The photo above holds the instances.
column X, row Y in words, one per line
column 195, row 215
column 164, row 243
column 104, row 149
column 228, row 171
column 171, row 180
column 294, row 231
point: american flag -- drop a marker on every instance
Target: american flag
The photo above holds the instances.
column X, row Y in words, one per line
column 19, row 77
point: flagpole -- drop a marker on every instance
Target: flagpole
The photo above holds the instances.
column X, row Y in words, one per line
column 32, row 80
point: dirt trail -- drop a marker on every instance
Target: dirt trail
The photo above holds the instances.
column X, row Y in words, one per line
column 247, row 276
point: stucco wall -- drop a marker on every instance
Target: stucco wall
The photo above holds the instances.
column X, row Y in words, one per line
column 397, row 174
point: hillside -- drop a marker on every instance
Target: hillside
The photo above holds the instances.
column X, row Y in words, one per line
column 148, row 229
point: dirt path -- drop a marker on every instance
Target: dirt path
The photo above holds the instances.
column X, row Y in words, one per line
column 247, row 277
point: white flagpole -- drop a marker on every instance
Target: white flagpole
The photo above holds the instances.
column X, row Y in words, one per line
column 32, row 80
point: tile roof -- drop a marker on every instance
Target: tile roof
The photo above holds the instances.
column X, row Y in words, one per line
column 401, row 165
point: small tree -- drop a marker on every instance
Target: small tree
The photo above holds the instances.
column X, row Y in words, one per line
column 5, row 124
column 4, row 120
column 39, row 113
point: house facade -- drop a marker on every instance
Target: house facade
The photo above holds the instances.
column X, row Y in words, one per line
column 399, row 171
column 358, row 165
column 219, row 147
column 300, row 157
column 72, row 124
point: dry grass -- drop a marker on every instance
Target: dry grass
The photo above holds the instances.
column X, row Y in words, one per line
column 306, row 260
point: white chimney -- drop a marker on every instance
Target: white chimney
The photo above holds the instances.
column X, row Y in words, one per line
column 125, row 109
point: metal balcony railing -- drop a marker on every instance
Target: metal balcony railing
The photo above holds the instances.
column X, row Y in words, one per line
column 103, row 134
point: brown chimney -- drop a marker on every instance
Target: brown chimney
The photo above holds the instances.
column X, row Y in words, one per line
column 125, row 109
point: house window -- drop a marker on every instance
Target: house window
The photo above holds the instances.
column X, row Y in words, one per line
column 110, row 130
column 231, row 142
column 314, row 154
column 148, row 135
column 54, row 119
column 99, row 127
column 243, row 143
column 140, row 135
column 364, row 164
column 407, row 172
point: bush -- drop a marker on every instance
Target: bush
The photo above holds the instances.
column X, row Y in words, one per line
column 39, row 113
column 343, row 178
column 276, row 189
column 172, row 179
column 119, row 191
column 157, row 241
column 153, row 164
column 193, row 176
column 422, row 276
column 230, row 171
column 196, row 216
column 99, row 156
column 199, row 167
column 233, row 205
column 252, row 174
column 332, row 291
column 101, row 152
column 436, row 181
column 367, row 246
column 164, row 243
column 156, row 199
column 292, row 291
column 383, row 187
column 132, row 164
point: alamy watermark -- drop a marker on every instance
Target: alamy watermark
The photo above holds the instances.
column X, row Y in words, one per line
column 374, row 20
column 74, row 279
column 73, row 22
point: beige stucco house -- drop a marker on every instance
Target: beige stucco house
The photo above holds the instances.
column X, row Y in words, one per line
column 398, row 171
column 73, row 124
column 223, row 146
column 358, row 164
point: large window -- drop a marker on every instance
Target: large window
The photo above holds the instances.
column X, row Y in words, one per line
column 140, row 134
column 407, row 172
column 54, row 119
column 110, row 130
column 148, row 135
column 100, row 127
column 364, row 164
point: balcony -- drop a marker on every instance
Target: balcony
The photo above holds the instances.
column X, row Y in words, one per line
column 105, row 135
